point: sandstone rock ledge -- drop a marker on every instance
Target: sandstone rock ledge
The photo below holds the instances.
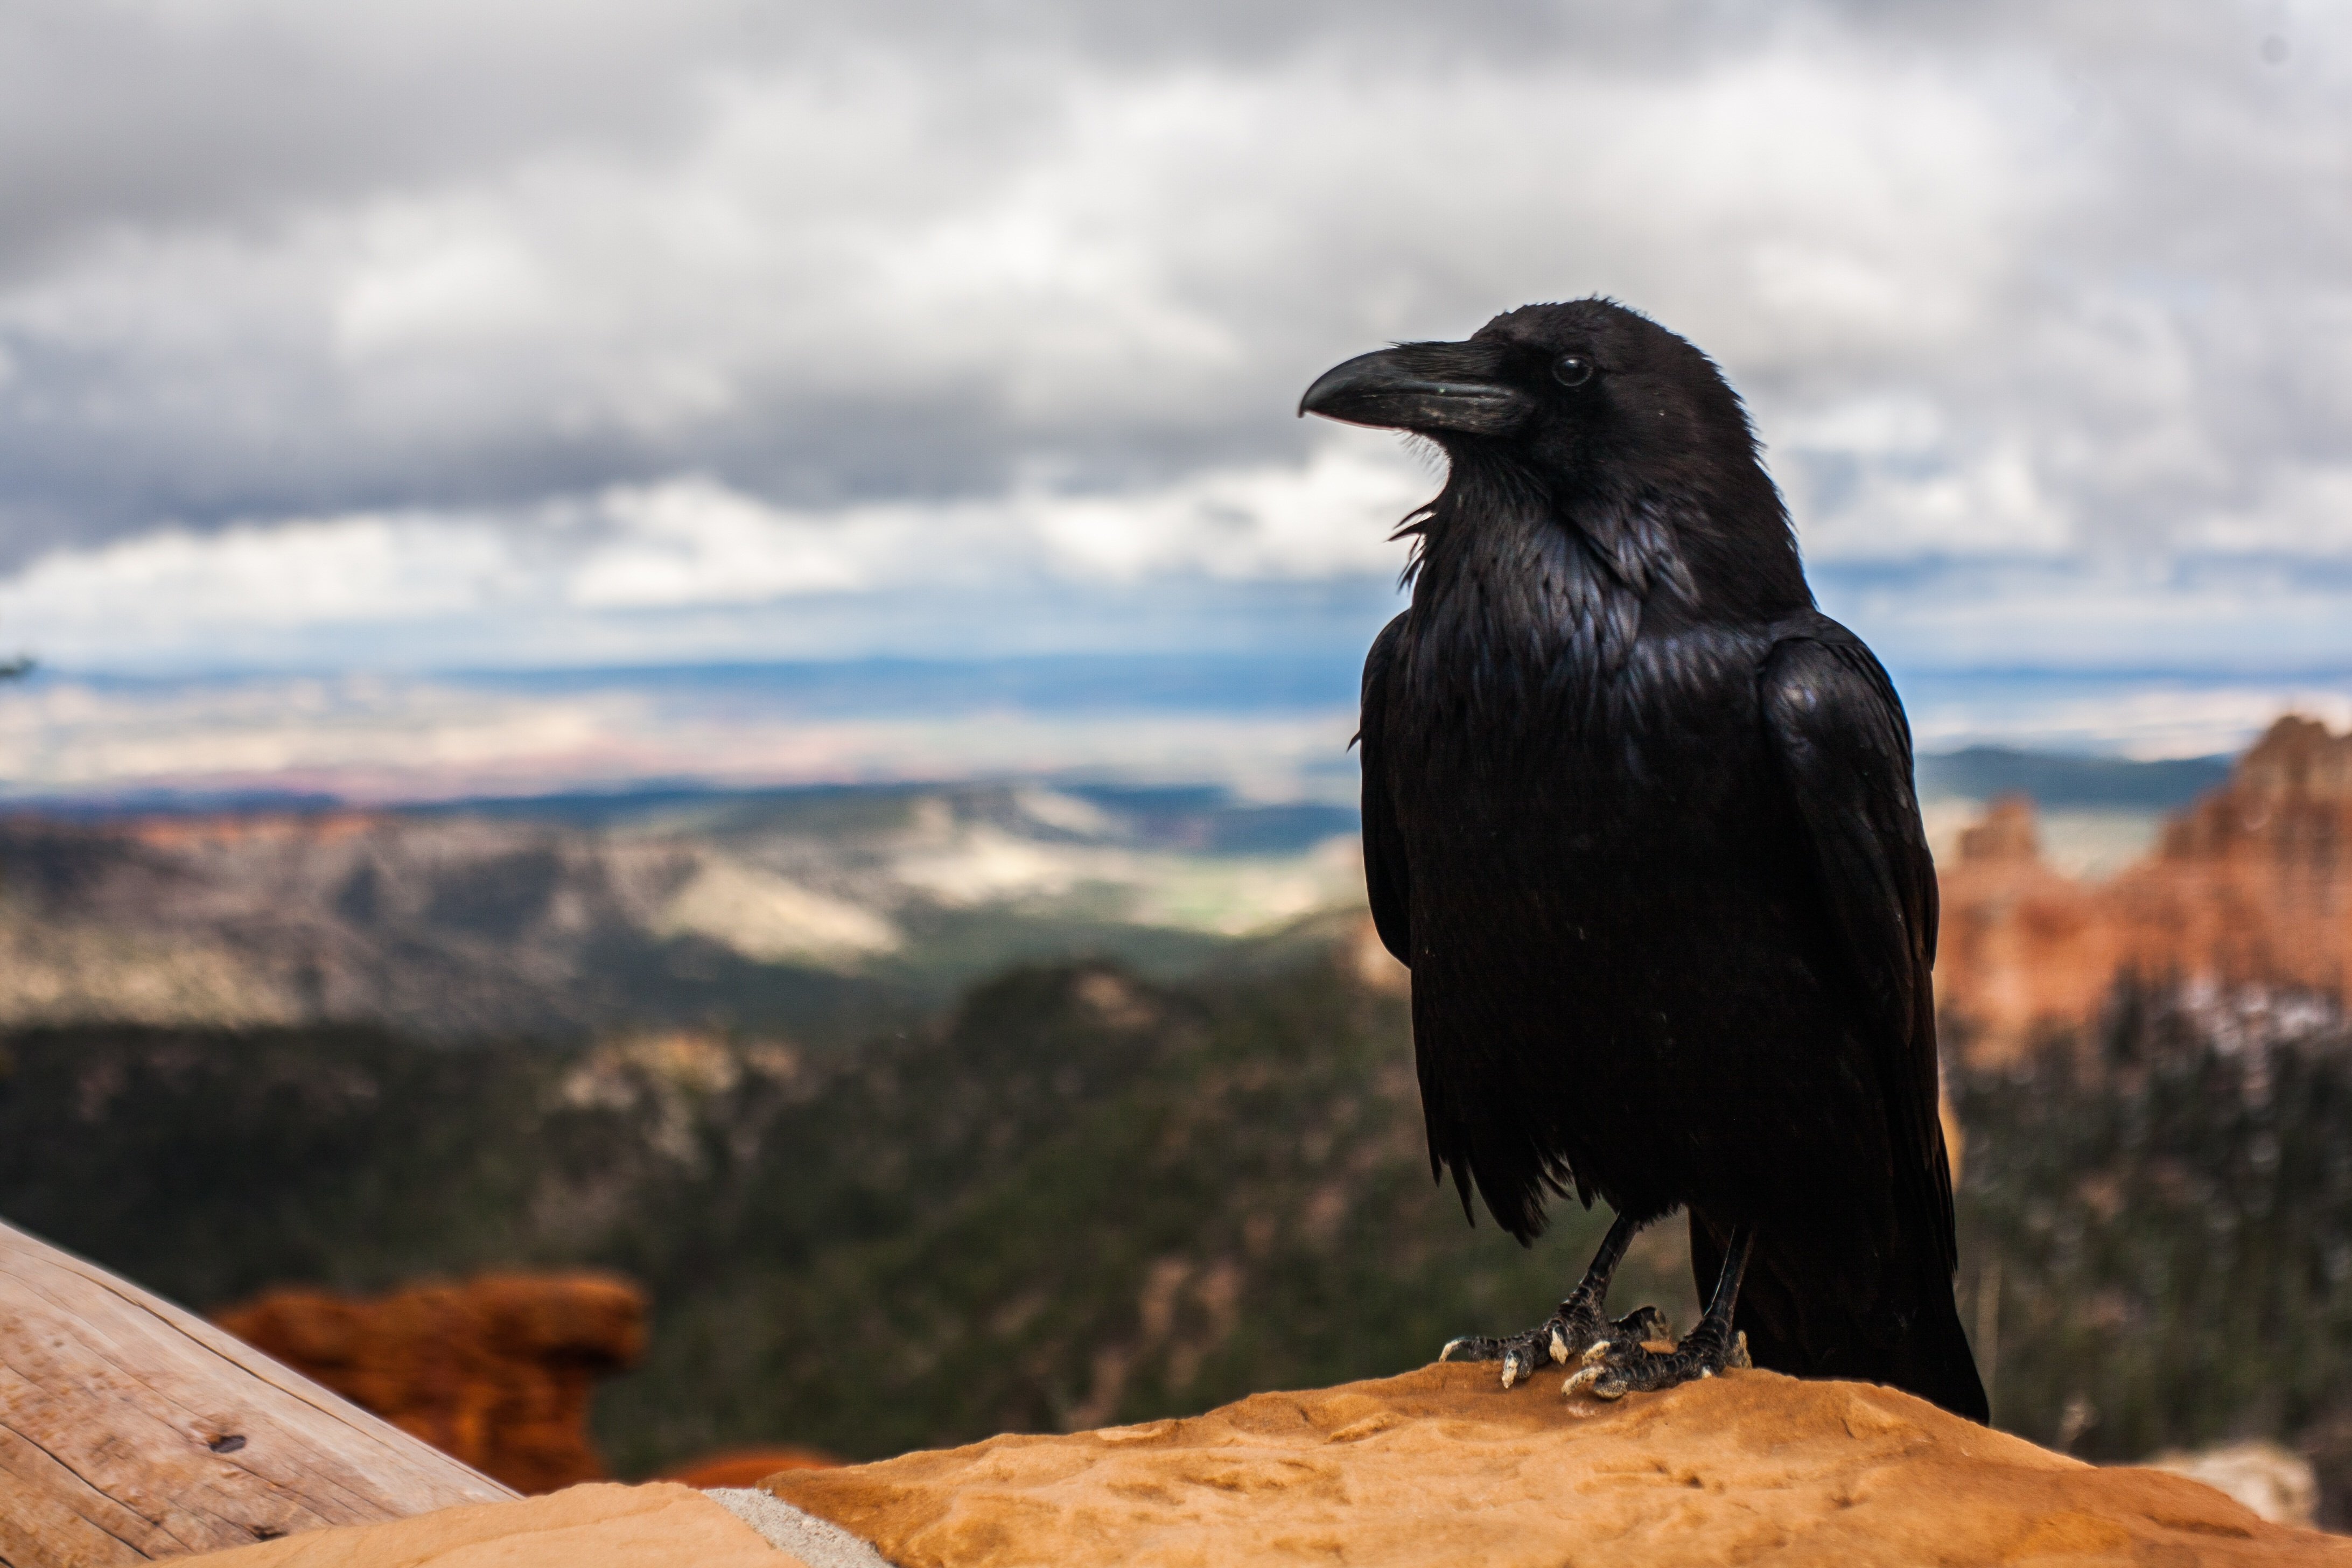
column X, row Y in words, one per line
column 1440, row 1466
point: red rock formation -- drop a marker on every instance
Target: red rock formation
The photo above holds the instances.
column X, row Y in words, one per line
column 495, row 1372
column 2250, row 886
column 2249, row 891
column 2024, row 950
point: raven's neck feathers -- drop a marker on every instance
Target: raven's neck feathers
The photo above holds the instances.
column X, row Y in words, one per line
column 1595, row 568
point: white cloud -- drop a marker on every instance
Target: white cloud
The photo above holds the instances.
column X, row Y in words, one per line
column 255, row 592
column 2302, row 511
column 1330, row 516
column 2149, row 720
column 667, row 311
column 1877, row 506
column 693, row 542
column 181, row 585
column 426, row 292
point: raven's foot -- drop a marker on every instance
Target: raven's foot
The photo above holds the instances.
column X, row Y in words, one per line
column 1614, row 1368
column 1570, row 1332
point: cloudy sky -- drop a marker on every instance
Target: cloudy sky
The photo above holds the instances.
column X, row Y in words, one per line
column 503, row 333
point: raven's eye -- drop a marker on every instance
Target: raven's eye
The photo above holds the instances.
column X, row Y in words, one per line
column 1572, row 370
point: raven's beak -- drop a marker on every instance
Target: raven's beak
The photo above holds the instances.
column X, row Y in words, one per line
column 1425, row 387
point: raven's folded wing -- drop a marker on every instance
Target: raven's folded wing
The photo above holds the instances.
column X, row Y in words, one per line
column 1387, row 875
column 1844, row 750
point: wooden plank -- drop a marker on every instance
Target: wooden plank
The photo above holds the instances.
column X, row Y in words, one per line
column 132, row 1430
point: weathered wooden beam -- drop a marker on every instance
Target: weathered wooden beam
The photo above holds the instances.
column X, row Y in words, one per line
column 132, row 1430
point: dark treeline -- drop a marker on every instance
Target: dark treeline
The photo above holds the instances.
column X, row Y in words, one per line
column 2157, row 1231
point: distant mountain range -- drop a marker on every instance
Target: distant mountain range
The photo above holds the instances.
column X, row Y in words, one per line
column 2058, row 781
column 819, row 912
column 2053, row 779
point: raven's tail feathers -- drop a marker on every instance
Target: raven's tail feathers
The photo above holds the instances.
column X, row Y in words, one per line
column 1932, row 1359
column 1799, row 1327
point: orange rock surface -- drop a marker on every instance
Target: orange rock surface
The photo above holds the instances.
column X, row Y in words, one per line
column 2248, row 892
column 656, row 1526
column 1441, row 1466
column 495, row 1372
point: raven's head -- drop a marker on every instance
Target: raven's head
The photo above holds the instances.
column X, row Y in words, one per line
column 1574, row 390
column 1602, row 410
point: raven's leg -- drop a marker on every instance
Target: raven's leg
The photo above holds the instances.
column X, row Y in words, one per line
column 1616, row 1367
column 1575, row 1324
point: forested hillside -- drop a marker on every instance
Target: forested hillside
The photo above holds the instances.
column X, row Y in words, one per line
column 2157, row 1228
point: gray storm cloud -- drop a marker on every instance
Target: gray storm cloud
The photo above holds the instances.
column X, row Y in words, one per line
column 2058, row 289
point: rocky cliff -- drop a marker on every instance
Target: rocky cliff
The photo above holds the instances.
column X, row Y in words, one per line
column 2243, row 909
column 495, row 1372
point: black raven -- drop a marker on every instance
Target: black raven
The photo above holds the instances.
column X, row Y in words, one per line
column 1640, row 819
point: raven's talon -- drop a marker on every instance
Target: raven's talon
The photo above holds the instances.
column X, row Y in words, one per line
column 1644, row 1325
column 1613, row 1370
column 1519, row 1355
column 1584, row 1378
column 1567, row 1334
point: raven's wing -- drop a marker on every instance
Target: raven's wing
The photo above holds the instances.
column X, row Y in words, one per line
column 1844, row 750
column 1387, row 877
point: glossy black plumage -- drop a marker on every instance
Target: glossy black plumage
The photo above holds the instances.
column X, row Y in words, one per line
column 1640, row 821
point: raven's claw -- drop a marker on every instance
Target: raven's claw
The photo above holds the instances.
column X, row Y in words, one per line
column 1617, row 1367
column 1567, row 1334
